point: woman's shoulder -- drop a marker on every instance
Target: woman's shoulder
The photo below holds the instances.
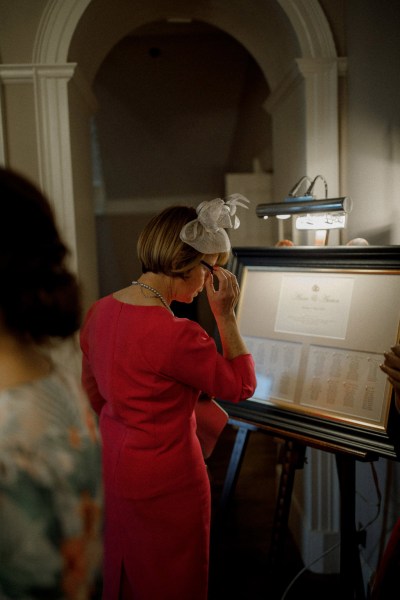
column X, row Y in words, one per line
column 56, row 401
column 104, row 306
column 182, row 331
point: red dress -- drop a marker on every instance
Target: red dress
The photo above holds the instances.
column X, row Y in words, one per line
column 143, row 370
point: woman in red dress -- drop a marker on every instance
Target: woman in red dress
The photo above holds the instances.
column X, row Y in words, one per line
column 144, row 370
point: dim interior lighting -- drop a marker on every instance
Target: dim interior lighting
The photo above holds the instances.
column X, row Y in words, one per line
column 312, row 213
column 179, row 20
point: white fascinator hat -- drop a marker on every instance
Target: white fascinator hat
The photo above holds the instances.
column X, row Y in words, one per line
column 206, row 233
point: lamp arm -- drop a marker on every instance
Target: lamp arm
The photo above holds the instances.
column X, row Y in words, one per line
column 296, row 187
column 311, row 188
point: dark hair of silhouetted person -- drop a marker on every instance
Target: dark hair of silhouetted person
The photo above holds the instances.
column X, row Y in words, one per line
column 39, row 296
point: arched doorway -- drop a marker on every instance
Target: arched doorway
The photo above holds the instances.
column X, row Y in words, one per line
column 180, row 113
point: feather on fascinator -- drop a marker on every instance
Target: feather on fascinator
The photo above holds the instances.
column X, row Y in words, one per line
column 207, row 234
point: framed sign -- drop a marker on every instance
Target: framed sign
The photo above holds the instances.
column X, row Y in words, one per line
column 317, row 322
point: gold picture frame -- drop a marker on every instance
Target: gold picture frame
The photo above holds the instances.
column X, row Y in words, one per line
column 317, row 321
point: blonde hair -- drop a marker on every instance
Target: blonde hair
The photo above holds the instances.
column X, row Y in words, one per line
column 160, row 249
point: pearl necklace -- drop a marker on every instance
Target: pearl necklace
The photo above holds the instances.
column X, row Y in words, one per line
column 155, row 292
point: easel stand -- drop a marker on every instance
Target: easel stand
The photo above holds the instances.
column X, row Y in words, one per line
column 350, row 567
column 293, row 456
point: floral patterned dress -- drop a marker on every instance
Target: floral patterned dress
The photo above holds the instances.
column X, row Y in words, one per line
column 50, row 492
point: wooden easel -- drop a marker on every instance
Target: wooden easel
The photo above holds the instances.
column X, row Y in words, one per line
column 293, row 456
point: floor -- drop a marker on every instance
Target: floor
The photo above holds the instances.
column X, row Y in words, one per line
column 241, row 533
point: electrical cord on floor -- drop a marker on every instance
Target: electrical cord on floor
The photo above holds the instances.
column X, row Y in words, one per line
column 366, row 562
column 306, row 567
column 364, row 528
column 379, row 497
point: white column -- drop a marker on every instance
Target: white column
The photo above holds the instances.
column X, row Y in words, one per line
column 64, row 105
column 50, row 106
column 54, row 144
column 322, row 127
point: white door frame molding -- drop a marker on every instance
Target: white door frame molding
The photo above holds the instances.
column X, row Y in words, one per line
column 311, row 27
column 55, row 31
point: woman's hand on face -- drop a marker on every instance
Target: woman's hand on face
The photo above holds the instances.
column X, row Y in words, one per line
column 391, row 366
column 224, row 297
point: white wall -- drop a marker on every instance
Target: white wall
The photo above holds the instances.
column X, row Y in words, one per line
column 373, row 147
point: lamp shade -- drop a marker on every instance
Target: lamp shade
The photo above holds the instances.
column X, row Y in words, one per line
column 304, row 204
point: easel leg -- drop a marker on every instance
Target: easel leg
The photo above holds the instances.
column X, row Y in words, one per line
column 235, row 462
column 350, row 567
column 231, row 477
column 293, row 458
